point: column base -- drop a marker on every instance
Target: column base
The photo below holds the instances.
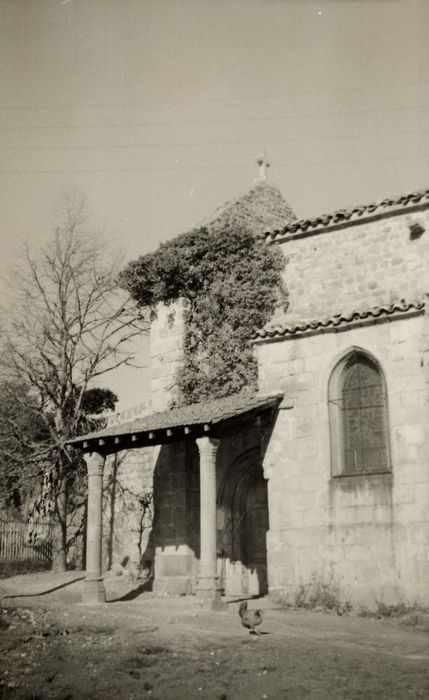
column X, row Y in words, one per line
column 94, row 592
column 172, row 585
column 209, row 593
column 216, row 604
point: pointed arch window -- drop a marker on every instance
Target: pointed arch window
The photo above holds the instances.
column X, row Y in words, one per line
column 359, row 417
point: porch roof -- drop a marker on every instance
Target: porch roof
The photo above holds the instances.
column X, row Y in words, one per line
column 176, row 424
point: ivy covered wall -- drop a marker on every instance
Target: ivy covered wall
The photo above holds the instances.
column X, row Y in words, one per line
column 233, row 282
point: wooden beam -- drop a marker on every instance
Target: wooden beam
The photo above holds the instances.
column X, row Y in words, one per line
column 85, row 444
column 151, row 436
column 187, row 430
column 101, row 442
column 206, row 428
column 134, row 438
column 169, row 432
column 117, row 440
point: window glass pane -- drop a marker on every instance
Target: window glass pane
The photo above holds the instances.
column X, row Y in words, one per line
column 364, row 417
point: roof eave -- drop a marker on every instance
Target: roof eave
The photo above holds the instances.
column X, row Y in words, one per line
column 304, row 228
column 340, row 323
column 115, row 440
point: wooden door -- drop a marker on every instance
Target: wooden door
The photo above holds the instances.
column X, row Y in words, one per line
column 256, row 538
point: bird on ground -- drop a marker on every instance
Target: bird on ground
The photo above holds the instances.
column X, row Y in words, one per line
column 250, row 618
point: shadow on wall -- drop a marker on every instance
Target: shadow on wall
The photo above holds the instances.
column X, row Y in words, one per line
column 174, row 541
column 243, row 506
column 159, row 538
column 127, row 512
column 173, row 546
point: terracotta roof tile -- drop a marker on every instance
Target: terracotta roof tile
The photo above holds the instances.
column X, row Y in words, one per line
column 209, row 412
column 342, row 216
column 338, row 321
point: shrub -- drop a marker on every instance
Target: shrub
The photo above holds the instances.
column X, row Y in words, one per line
column 233, row 283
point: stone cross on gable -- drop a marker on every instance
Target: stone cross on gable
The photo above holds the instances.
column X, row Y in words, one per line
column 263, row 163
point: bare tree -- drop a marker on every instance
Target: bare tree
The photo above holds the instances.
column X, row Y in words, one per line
column 22, row 433
column 64, row 323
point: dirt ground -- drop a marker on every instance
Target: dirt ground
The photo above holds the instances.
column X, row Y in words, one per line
column 172, row 649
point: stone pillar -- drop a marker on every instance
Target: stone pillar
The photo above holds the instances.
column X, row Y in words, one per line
column 94, row 586
column 208, row 587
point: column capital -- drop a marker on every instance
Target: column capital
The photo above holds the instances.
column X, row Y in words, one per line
column 94, row 463
column 207, row 445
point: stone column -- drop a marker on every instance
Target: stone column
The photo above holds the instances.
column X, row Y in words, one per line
column 94, row 586
column 208, row 581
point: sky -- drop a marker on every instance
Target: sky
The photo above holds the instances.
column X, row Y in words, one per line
column 154, row 111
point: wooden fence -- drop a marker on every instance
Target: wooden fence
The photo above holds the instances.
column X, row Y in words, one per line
column 15, row 547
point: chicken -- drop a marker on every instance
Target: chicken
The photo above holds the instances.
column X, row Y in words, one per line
column 250, row 618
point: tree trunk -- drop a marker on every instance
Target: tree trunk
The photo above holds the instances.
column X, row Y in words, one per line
column 59, row 537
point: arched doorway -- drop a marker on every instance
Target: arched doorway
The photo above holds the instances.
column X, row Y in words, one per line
column 243, row 525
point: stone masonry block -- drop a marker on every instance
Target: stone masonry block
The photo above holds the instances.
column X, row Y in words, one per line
column 355, row 254
column 410, row 434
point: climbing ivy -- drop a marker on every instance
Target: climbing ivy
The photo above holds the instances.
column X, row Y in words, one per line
column 233, row 282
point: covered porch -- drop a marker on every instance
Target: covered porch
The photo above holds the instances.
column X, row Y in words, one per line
column 206, row 429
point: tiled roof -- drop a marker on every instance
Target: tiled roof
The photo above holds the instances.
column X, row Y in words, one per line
column 260, row 209
column 352, row 214
column 208, row 413
column 339, row 320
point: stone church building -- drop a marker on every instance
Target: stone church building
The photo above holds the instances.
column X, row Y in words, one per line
column 315, row 488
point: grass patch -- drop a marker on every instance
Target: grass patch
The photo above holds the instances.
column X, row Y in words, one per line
column 319, row 593
column 410, row 613
column 15, row 568
column 399, row 610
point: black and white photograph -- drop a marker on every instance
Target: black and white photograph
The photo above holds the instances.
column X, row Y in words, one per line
column 214, row 349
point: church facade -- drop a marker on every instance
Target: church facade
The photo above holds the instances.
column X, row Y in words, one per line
column 348, row 460
column 316, row 488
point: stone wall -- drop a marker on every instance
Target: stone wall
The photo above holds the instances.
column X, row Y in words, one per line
column 151, row 515
column 127, row 521
column 356, row 267
column 130, row 542
column 175, row 533
column 167, row 335
column 362, row 539
column 166, row 541
column 176, row 527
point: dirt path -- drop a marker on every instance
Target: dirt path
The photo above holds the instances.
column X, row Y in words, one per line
column 172, row 649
